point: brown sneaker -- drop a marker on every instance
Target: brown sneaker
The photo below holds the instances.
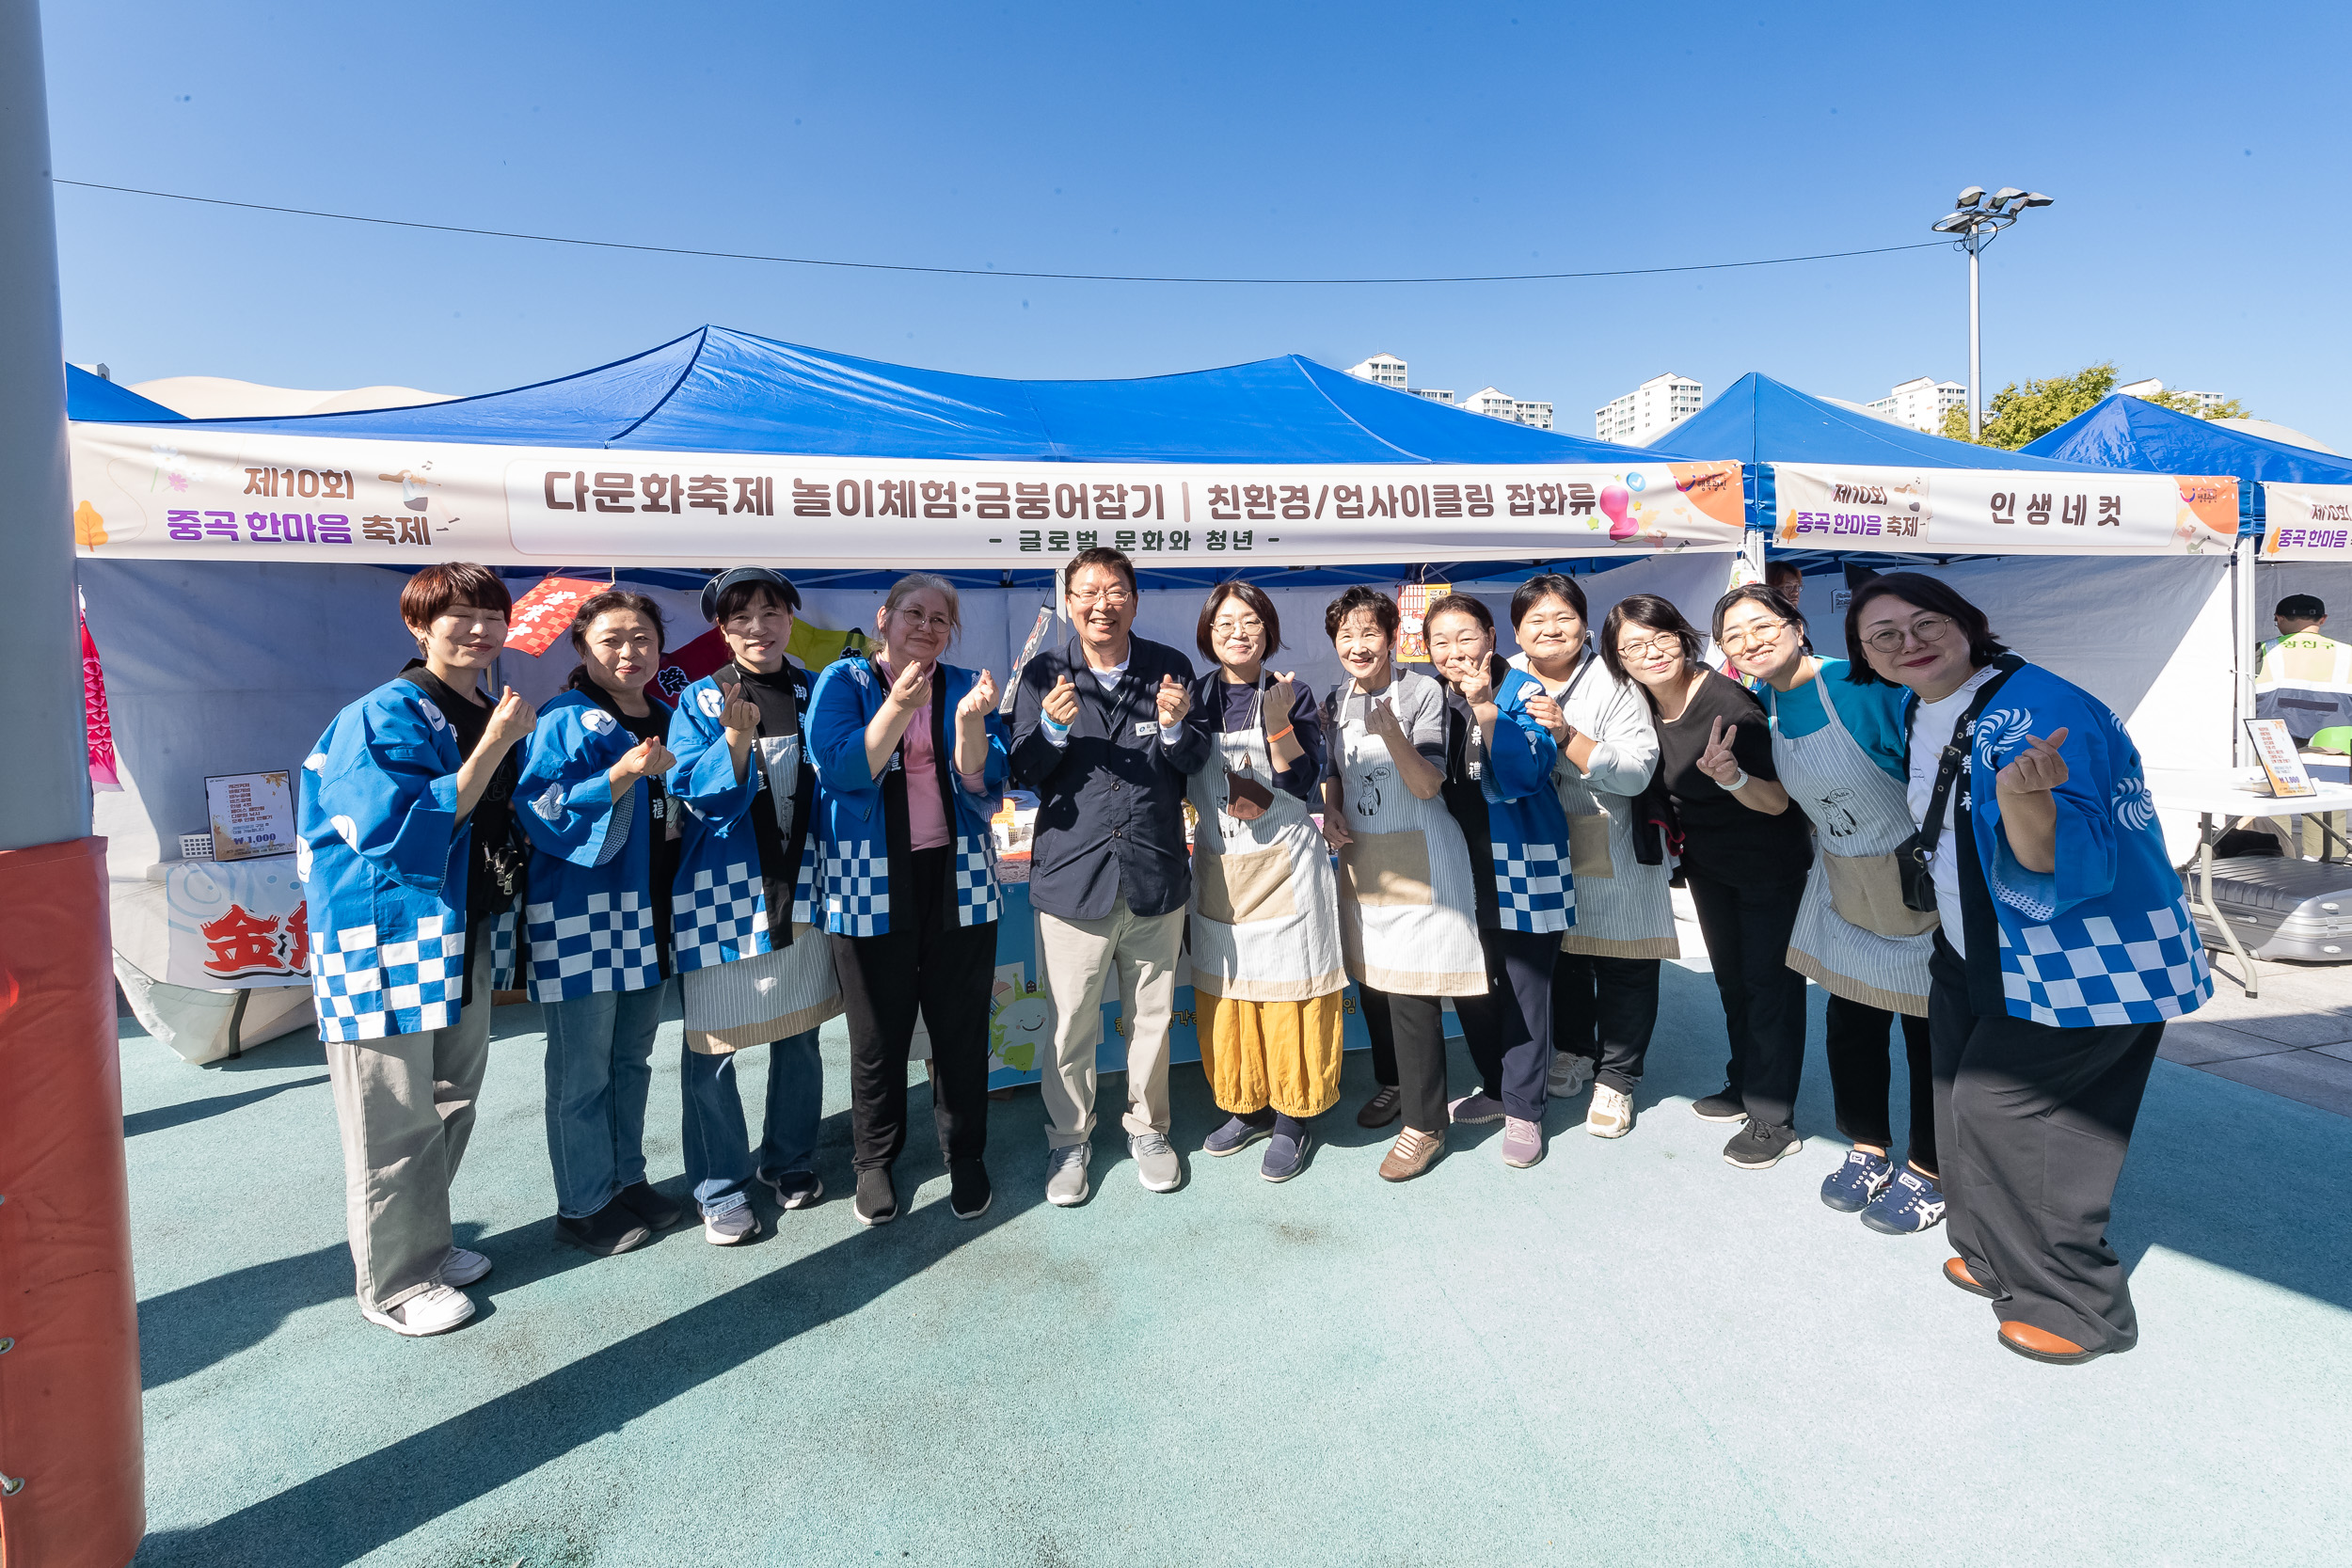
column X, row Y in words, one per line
column 1382, row 1108
column 1413, row 1152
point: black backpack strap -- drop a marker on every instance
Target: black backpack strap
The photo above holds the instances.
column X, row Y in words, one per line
column 1956, row 751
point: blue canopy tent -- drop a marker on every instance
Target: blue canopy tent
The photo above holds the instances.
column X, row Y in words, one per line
column 2121, row 431
column 94, row 397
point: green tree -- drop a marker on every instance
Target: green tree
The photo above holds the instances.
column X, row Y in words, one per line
column 2028, row 413
column 2180, row 403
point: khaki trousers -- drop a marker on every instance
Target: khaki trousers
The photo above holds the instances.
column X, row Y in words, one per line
column 1077, row 956
column 406, row 1107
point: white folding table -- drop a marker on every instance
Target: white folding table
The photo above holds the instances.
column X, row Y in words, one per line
column 2225, row 793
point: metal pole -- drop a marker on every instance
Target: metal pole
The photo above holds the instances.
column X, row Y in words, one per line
column 2247, row 635
column 1976, row 346
column 44, row 767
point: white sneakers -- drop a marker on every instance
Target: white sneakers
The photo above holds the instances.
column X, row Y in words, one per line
column 462, row 1267
column 434, row 1309
column 1569, row 1074
column 1611, row 1114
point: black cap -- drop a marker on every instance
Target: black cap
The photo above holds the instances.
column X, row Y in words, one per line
column 733, row 575
column 2301, row 607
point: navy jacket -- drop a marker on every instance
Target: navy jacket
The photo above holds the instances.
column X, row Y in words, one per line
column 1110, row 802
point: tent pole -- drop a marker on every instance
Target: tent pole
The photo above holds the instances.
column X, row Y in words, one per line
column 72, row 1479
column 2248, row 638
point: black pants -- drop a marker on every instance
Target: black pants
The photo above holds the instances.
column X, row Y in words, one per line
column 1861, row 1074
column 1605, row 1009
column 1746, row 926
column 1509, row 1029
column 1409, row 1052
column 2034, row 1121
column 926, row 960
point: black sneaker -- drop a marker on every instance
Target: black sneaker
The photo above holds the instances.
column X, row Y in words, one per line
column 611, row 1230
column 1758, row 1147
column 969, row 1193
column 877, row 1202
column 1722, row 1106
column 651, row 1206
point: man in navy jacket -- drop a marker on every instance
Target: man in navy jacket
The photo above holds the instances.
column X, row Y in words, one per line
column 1098, row 731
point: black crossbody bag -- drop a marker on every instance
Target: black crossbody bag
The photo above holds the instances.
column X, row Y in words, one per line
column 1914, row 858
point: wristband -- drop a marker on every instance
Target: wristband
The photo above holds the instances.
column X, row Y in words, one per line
column 1280, row 734
column 1738, row 783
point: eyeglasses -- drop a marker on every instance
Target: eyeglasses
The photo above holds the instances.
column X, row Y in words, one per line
column 1926, row 629
column 1737, row 643
column 914, row 620
column 1651, row 647
column 1250, row 626
column 1111, row 596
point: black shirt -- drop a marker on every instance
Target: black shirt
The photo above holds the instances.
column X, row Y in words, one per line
column 493, row 819
column 1232, row 707
column 1465, row 796
column 655, row 725
column 1722, row 840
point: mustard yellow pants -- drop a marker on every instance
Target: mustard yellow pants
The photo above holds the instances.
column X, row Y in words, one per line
column 1285, row 1054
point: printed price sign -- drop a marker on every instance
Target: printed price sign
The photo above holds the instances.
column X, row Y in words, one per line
column 252, row 814
column 2276, row 749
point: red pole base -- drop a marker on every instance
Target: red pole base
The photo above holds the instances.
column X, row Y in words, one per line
column 71, row 1476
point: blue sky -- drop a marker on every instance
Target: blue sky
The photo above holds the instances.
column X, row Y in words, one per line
column 2197, row 153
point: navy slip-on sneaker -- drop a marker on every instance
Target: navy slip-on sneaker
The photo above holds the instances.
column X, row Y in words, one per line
column 1236, row 1135
column 1850, row 1188
column 1909, row 1204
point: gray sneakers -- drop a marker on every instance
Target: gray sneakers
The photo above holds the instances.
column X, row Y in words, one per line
column 1066, row 1175
column 1156, row 1165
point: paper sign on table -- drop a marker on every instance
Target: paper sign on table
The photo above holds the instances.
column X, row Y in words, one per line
column 252, row 814
column 2275, row 749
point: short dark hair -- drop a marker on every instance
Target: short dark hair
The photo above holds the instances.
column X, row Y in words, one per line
column 608, row 601
column 1383, row 609
column 1929, row 594
column 2302, row 607
column 1260, row 605
column 1772, row 600
column 1101, row 555
column 1788, row 568
column 428, row 595
column 1459, row 604
column 1546, row 585
column 736, row 598
column 1645, row 610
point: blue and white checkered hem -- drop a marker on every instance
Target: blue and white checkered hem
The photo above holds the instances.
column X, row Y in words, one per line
column 370, row 991
column 608, row 945
column 1531, row 888
column 720, row 910
column 977, row 901
column 2108, row 969
column 857, row 888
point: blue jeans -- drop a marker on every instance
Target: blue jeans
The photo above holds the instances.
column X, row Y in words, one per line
column 599, row 1070
column 718, row 1144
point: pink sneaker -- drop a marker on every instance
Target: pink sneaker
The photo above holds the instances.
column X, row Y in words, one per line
column 1522, row 1142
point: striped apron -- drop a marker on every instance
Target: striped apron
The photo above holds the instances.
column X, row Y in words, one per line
column 1858, row 811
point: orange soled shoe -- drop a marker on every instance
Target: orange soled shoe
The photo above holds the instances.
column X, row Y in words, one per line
column 1956, row 1270
column 2039, row 1344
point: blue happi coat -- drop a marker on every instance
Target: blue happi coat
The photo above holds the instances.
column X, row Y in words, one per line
column 382, row 857
column 588, row 920
column 718, row 913
column 2106, row 937
column 1526, row 826
column 849, row 814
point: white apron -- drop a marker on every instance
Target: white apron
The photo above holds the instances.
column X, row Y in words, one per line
column 1265, row 922
column 1409, row 909
column 1859, row 812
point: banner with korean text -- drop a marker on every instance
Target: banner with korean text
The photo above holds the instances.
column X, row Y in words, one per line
column 2307, row 522
column 2000, row 512
column 151, row 492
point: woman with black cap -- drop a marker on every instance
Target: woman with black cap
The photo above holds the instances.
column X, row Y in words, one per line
column 754, row 973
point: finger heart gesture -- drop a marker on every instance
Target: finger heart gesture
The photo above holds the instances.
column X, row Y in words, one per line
column 2037, row 769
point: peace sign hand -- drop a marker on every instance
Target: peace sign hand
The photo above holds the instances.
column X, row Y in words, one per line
column 2035, row 770
column 1717, row 762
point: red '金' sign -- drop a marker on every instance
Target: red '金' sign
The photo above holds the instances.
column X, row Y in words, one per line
column 545, row 614
column 239, row 944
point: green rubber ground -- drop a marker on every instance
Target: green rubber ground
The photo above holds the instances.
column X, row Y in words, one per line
column 1632, row 1354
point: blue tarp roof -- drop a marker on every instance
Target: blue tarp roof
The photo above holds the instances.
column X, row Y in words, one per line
column 2120, row 432
column 1757, row 419
column 94, row 397
column 716, row 390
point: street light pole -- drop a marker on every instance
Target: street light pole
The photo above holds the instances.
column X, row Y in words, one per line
column 1974, row 223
